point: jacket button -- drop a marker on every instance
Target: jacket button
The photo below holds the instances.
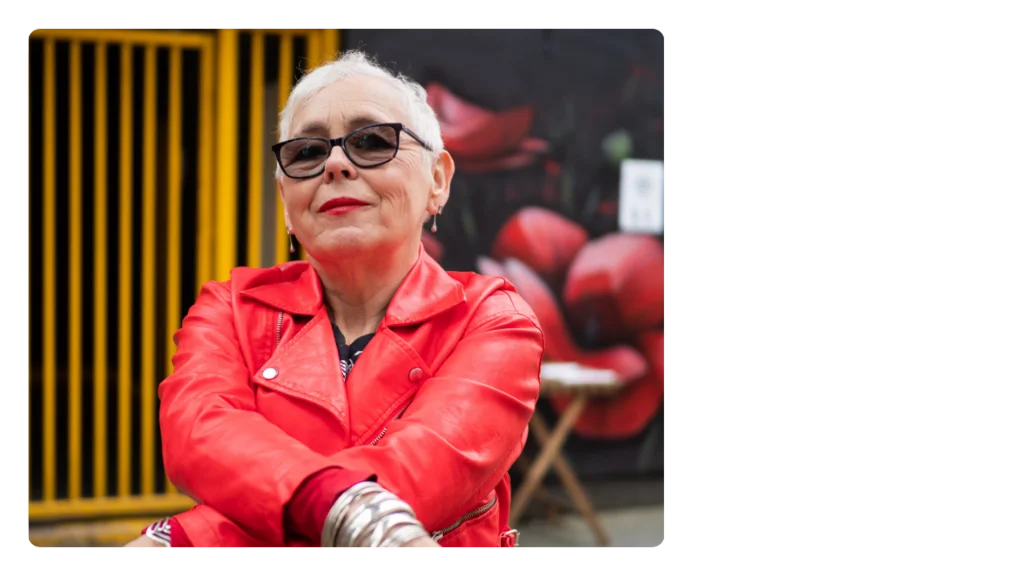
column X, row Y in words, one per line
column 416, row 375
column 270, row 373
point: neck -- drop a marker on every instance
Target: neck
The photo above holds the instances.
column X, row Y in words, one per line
column 357, row 290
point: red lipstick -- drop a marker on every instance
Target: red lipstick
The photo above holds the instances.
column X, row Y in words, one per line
column 341, row 205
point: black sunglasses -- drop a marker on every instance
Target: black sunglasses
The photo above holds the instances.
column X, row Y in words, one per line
column 366, row 147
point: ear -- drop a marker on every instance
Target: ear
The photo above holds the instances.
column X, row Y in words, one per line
column 444, row 169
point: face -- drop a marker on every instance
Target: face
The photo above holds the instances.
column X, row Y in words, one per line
column 383, row 208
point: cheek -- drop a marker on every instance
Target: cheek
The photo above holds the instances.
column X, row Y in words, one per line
column 297, row 196
column 397, row 202
column 402, row 193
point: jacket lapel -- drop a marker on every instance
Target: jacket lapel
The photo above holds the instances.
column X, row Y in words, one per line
column 388, row 371
column 426, row 292
column 381, row 384
column 298, row 293
column 307, row 367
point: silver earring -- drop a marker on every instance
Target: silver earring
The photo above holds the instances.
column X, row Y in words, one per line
column 291, row 243
column 433, row 227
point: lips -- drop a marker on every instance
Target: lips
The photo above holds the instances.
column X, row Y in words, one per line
column 343, row 202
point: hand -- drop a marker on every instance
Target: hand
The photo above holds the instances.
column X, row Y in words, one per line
column 422, row 542
column 144, row 542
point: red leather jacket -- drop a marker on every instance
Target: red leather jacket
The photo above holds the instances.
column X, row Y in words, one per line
column 437, row 406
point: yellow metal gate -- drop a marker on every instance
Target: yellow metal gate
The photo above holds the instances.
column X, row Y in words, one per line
column 149, row 175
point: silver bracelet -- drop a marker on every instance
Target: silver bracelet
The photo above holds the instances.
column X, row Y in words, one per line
column 392, row 525
column 360, row 489
column 360, row 521
column 382, row 524
column 340, row 508
column 372, row 524
column 330, row 524
column 382, row 506
column 367, row 515
column 404, row 534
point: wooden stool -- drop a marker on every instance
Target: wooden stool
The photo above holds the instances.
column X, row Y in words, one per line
column 582, row 384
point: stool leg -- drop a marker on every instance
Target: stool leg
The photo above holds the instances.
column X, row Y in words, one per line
column 551, row 510
column 549, row 449
column 575, row 490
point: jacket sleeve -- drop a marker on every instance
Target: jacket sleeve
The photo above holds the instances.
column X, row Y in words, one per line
column 216, row 447
column 467, row 423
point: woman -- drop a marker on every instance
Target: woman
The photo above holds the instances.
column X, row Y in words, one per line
column 365, row 397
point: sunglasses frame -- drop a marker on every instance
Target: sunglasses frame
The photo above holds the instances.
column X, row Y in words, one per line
column 342, row 141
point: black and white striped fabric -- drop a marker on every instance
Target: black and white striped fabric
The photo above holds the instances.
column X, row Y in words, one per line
column 160, row 531
column 349, row 353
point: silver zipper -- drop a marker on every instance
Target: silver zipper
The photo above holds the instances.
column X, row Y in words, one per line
column 468, row 516
column 385, row 430
column 280, row 320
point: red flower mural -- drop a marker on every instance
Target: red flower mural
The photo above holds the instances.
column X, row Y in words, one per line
column 482, row 140
column 615, row 282
column 432, row 246
column 541, row 239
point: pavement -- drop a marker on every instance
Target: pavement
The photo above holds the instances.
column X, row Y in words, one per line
column 626, row 527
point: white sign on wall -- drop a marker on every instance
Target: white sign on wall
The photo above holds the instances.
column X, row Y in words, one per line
column 642, row 196
column 668, row 197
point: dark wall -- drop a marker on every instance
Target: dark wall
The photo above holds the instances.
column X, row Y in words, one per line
column 583, row 86
column 597, row 96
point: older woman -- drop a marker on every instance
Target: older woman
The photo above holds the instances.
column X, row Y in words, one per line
column 366, row 397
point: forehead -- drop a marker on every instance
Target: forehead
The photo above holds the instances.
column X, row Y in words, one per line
column 348, row 104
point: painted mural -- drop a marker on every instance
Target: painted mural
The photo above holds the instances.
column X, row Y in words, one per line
column 539, row 123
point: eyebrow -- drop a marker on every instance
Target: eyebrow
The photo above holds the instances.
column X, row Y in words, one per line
column 318, row 128
column 312, row 128
column 362, row 120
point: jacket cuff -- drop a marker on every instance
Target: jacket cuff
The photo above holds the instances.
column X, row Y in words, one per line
column 307, row 510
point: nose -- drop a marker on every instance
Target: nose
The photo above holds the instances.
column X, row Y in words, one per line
column 338, row 166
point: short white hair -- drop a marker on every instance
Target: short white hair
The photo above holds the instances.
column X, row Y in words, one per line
column 422, row 119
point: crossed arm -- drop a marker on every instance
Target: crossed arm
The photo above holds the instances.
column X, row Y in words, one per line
column 464, row 428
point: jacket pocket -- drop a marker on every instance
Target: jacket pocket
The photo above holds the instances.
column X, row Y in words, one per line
column 476, row 528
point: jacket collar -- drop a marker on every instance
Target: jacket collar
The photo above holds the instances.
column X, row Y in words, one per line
column 426, row 291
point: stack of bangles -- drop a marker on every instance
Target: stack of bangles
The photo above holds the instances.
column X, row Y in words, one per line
column 367, row 515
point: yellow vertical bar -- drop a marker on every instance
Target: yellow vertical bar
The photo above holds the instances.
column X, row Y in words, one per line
column 75, row 275
column 148, row 386
column 255, row 236
column 330, row 50
column 173, row 213
column 49, row 273
column 285, row 74
column 99, row 359
column 204, row 200
column 124, row 291
column 314, row 57
column 314, row 49
column 227, row 158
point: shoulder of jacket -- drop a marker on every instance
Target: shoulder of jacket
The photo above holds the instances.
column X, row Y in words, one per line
column 492, row 297
column 244, row 277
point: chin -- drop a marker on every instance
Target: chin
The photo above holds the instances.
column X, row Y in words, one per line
column 344, row 239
